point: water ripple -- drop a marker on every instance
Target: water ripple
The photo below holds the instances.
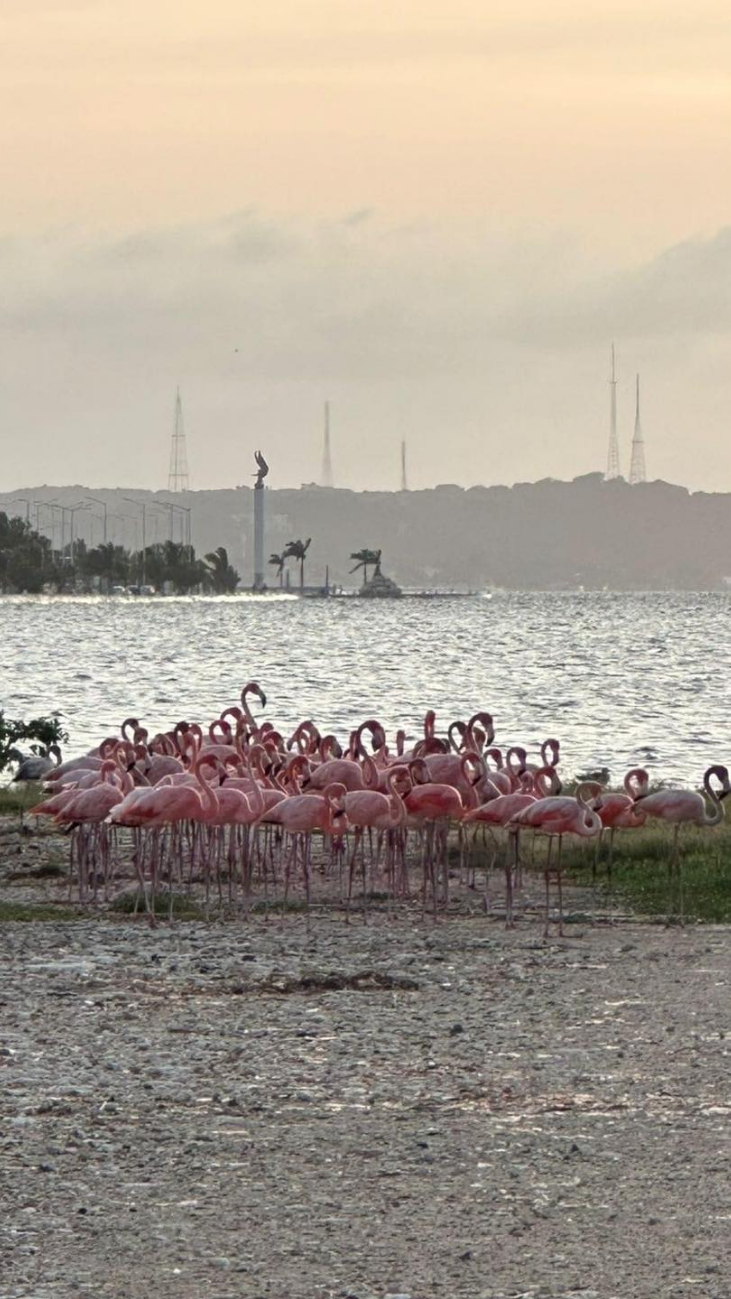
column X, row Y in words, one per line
column 619, row 678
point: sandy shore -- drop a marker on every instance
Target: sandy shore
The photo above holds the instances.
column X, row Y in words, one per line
column 454, row 1110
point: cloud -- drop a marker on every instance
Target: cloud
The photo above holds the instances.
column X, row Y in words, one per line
column 354, row 296
column 499, row 347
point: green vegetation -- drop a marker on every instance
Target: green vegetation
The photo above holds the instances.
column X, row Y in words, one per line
column 641, row 878
column 28, row 564
column 183, row 906
column 298, row 550
column 366, row 559
column 12, row 912
column 222, row 578
column 279, row 562
column 37, row 734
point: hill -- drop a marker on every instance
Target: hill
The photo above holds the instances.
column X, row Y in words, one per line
column 544, row 535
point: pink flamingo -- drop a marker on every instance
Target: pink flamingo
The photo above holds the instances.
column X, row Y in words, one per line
column 556, row 816
column 90, row 808
column 430, row 807
column 502, row 809
column 370, row 809
column 686, row 807
column 300, row 816
column 347, row 771
column 252, row 688
column 620, row 811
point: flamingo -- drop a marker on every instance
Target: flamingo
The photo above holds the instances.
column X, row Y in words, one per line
column 252, row 688
column 90, row 808
column 347, row 771
column 430, row 807
column 501, row 809
column 38, row 766
column 620, row 811
column 302, row 814
column 556, row 816
column 686, row 807
column 369, row 808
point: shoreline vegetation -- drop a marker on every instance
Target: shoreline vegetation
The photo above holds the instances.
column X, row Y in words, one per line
column 29, row 566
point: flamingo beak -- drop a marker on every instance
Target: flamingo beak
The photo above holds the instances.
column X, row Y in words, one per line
column 262, row 697
column 724, row 792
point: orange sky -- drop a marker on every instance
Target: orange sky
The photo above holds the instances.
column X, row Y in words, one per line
column 608, row 118
column 436, row 213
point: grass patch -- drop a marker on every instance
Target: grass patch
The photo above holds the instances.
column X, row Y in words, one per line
column 641, row 878
column 13, row 912
column 15, row 799
column 184, row 907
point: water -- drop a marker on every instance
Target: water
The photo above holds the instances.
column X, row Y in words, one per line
column 622, row 680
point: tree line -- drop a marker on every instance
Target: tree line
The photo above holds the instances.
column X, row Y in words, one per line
column 28, row 564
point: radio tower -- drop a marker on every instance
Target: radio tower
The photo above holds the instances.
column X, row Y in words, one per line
column 326, row 477
column 613, row 453
column 178, row 472
column 637, row 473
column 404, row 484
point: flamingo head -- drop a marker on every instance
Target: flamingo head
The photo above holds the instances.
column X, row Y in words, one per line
column 589, row 792
column 721, row 775
column 419, row 772
column 550, row 753
column 485, row 721
column 253, row 688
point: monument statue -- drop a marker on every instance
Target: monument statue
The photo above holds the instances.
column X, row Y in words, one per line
column 262, row 471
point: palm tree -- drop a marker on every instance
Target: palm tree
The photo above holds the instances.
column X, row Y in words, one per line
column 221, row 576
column 280, row 561
column 366, row 558
column 298, row 550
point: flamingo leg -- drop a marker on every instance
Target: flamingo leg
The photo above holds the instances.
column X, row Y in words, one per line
column 351, row 869
column 547, row 876
column 559, row 883
column 597, row 852
column 509, row 870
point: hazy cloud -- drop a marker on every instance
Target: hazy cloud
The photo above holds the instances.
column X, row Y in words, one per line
column 261, row 319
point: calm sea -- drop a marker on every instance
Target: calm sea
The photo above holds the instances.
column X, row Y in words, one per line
column 620, row 679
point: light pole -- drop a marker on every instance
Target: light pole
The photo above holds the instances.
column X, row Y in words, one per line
column 56, row 505
column 185, row 525
column 26, row 502
column 167, row 505
column 141, row 506
column 187, row 512
column 103, row 504
column 74, row 510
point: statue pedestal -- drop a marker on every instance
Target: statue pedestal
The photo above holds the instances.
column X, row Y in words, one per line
column 259, row 583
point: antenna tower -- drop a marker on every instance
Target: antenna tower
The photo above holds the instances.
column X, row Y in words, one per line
column 326, row 477
column 613, row 452
column 178, row 471
column 637, row 472
column 404, row 484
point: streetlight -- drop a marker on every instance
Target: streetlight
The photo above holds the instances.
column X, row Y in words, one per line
column 24, row 501
column 74, row 510
column 141, row 506
column 56, row 505
column 103, row 504
column 185, row 523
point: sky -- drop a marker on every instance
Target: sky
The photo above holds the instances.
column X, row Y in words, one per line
column 436, row 215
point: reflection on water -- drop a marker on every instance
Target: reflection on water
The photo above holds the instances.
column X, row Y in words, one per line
column 620, row 679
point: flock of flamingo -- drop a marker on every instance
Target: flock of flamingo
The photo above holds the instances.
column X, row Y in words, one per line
column 235, row 806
